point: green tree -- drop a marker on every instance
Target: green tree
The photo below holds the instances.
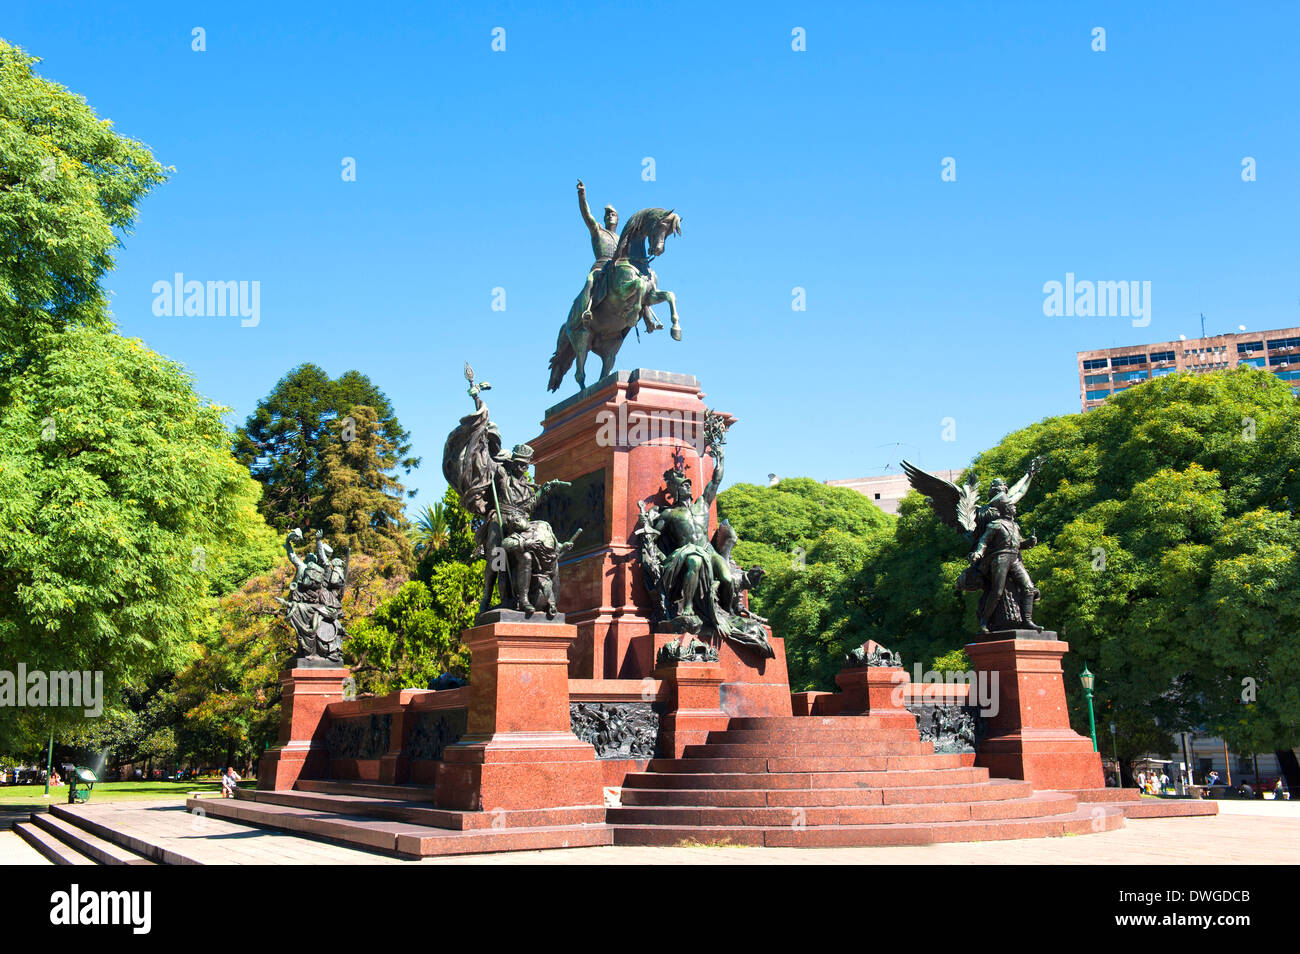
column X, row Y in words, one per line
column 431, row 531
column 415, row 635
column 360, row 499
column 460, row 543
column 776, row 525
column 122, row 512
column 812, row 540
column 284, row 440
column 69, row 186
column 1168, row 561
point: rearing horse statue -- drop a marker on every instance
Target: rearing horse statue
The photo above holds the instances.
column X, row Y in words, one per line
column 623, row 291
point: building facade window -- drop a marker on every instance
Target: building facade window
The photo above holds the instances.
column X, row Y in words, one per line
column 1092, row 364
column 1253, row 362
column 1246, row 347
column 1161, row 356
column 1098, row 394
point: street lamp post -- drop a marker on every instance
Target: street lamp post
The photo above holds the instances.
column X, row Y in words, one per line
column 1088, row 679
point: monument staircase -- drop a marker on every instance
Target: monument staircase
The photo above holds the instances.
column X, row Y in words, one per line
column 836, row 781
column 402, row 819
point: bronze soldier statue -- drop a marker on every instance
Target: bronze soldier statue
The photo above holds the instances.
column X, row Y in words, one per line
column 1007, row 594
column 695, row 587
column 315, row 606
column 603, row 243
column 997, row 554
column 522, row 554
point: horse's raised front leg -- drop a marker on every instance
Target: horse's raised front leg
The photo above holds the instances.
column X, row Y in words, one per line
column 659, row 296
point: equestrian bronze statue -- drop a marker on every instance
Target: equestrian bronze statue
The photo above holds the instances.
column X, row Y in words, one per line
column 619, row 291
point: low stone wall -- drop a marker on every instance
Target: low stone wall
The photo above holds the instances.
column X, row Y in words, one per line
column 396, row 738
column 621, row 719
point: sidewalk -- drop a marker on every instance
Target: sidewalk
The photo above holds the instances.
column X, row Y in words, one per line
column 1245, row 833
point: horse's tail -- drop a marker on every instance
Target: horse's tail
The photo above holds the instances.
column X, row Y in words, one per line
column 562, row 360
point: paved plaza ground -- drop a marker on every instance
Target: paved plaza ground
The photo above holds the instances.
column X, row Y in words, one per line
column 1256, row 832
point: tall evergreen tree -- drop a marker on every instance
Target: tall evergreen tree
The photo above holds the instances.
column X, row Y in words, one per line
column 284, row 440
column 360, row 500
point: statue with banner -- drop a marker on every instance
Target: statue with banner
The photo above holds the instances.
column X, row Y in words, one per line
column 522, row 554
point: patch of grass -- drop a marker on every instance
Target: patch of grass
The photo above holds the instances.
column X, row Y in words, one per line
column 720, row 843
column 23, row 796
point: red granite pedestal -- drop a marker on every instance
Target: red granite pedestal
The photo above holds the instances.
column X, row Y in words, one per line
column 614, row 441
column 1030, row 736
column 692, row 694
column 301, row 752
column 750, row 685
column 519, row 752
column 876, row 691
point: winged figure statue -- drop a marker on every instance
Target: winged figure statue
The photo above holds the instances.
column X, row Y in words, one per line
column 996, row 570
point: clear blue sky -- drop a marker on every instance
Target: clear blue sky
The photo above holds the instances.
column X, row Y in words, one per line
column 818, row 169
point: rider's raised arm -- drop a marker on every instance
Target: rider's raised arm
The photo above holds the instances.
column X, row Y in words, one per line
column 592, row 224
column 711, row 489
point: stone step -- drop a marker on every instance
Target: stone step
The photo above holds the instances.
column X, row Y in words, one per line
column 1172, row 808
column 410, row 793
column 139, row 846
column 100, row 850
column 397, row 837
column 410, row 811
column 789, row 764
column 785, row 723
column 687, row 779
column 48, row 845
column 719, row 750
column 1038, row 805
column 829, row 734
column 1082, row 820
column 993, row 790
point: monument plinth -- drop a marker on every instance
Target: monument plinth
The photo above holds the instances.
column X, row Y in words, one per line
column 612, row 442
column 1030, row 736
column 519, row 751
column 301, row 751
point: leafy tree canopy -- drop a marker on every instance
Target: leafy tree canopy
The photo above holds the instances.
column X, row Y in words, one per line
column 283, row 442
column 1169, row 560
column 811, row 539
column 69, row 186
column 122, row 512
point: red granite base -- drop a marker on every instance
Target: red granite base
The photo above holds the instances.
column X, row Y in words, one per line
column 751, row 685
column 1029, row 734
column 519, row 751
column 301, row 752
column 519, row 772
column 1049, row 759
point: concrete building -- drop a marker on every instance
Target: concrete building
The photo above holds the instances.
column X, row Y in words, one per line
column 1105, row 371
column 887, row 490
